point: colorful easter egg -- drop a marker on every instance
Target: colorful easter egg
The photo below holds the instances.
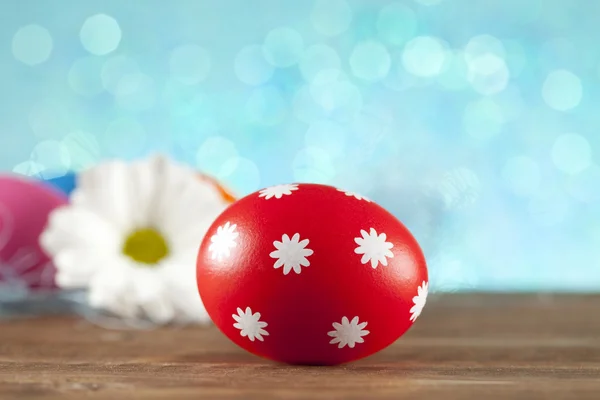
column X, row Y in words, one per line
column 311, row 274
column 24, row 209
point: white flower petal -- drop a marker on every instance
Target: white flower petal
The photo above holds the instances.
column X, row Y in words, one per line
column 291, row 253
column 77, row 227
column 303, row 262
column 263, row 332
column 348, row 333
column 111, row 201
column 75, row 267
column 105, row 190
column 373, row 248
column 110, row 290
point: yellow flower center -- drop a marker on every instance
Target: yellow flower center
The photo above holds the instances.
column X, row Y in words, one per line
column 146, row 246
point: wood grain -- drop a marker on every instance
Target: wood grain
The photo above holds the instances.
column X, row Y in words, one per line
column 462, row 347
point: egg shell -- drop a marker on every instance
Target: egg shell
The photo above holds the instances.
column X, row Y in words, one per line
column 24, row 209
column 301, row 309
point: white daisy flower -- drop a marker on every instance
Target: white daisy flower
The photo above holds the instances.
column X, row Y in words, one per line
column 250, row 324
column 223, row 241
column 291, row 254
column 373, row 247
column 348, row 333
column 130, row 236
column 355, row 195
column 420, row 299
column 278, row 191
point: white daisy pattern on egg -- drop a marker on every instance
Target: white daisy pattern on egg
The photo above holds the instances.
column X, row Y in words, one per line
column 223, row 241
column 348, row 333
column 355, row 195
column 420, row 299
column 278, row 191
column 250, row 325
column 291, row 254
column 374, row 248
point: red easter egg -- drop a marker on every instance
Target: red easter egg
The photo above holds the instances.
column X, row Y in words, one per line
column 310, row 274
column 24, row 209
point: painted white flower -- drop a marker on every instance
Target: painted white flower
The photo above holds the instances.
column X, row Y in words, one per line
column 130, row 236
column 348, row 333
column 373, row 247
column 278, row 191
column 420, row 299
column 355, row 195
column 250, row 324
column 291, row 254
column 223, row 241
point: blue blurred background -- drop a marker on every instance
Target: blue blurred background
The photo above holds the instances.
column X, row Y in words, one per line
column 476, row 123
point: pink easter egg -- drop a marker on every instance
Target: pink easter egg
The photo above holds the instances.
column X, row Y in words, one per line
column 24, row 209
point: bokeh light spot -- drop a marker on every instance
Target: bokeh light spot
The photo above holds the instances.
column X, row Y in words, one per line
column 516, row 57
column 562, row 90
column 266, row 106
column 100, row 34
column 313, row 165
column 83, row 149
column 317, row 58
column 522, row 175
column 482, row 45
column 483, row 118
column 85, row 76
column 251, row 67
column 396, row 23
column 585, row 186
column 283, row 47
column 331, row 17
column 488, row 74
column 189, row 64
column 117, row 69
column 241, row 174
column 327, row 135
column 136, row 92
column 571, row 153
column 304, row 105
column 32, row 44
column 370, row 61
column 424, row 56
column 29, row 168
column 124, row 137
column 336, row 96
column 399, row 79
column 213, row 154
column 53, row 156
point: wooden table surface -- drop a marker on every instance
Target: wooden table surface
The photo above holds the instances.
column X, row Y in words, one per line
column 462, row 347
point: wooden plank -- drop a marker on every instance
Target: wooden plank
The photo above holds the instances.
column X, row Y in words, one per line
column 463, row 346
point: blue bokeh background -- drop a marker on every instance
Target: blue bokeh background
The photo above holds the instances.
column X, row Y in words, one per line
column 476, row 123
